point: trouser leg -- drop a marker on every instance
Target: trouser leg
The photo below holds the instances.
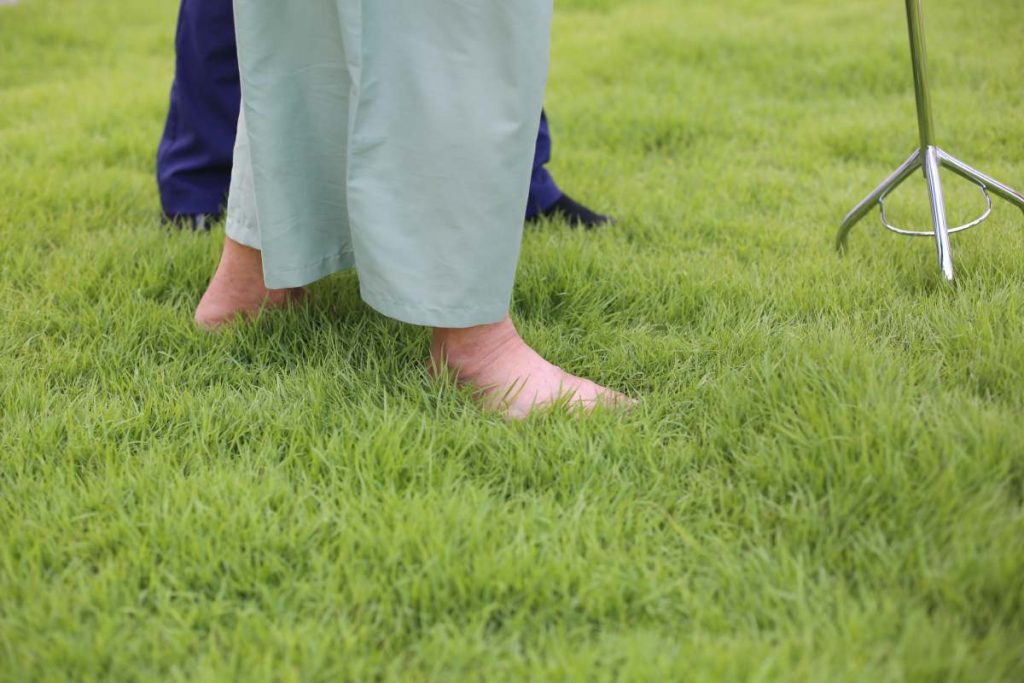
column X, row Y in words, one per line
column 242, row 224
column 397, row 134
column 195, row 152
column 544, row 192
column 296, row 93
column 442, row 148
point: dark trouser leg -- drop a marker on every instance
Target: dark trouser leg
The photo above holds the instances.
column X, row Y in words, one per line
column 194, row 156
column 543, row 190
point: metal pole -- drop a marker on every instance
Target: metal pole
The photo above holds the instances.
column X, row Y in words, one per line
column 915, row 24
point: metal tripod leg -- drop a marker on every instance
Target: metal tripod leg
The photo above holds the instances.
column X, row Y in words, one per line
column 869, row 202
column 931, row 174
column 976, row 176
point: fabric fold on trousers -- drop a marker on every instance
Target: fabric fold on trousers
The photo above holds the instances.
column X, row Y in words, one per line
column 396, row 136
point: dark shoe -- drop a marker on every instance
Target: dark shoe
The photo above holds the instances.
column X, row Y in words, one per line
column 196, row 222
column 575, row 214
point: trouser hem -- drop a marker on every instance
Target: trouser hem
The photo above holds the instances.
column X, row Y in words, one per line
column 540, row 201
column 190, row 202
column 243, row 232
column 281, row 278
column 431, row 316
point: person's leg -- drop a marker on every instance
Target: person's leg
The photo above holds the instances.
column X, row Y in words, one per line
column 290, row 154
column 194, row 155
column 237, row 288
column 456, row 93
column 440, row 92
column 437, row 210
column 413, row 120
column 546, row 198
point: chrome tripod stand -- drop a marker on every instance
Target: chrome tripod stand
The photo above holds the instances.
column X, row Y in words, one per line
column 930, row 158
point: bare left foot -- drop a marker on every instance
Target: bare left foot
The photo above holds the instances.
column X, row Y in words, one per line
column 237, row 289
column 509, row 376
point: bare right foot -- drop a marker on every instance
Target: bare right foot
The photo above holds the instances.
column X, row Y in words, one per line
column 237, row 289
column 511, row 377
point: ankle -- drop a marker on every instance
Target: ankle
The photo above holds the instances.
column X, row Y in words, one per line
column 242, row 263
column 470, row 350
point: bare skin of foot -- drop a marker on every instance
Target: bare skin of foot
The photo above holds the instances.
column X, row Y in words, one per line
column 237, row 289
column 506, row 373
column 509, row 376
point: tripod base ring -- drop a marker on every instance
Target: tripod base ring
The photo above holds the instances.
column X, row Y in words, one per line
column 931, row 233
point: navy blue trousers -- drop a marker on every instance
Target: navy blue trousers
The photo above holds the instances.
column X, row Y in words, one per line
column 193, row 161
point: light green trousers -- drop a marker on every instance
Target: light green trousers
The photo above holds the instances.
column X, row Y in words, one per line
column 396, row 136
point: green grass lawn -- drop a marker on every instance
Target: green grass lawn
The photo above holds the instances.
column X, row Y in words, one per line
column 823, row 481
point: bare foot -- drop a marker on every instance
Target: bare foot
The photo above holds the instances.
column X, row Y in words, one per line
column 508, row 375
column 237, row 289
